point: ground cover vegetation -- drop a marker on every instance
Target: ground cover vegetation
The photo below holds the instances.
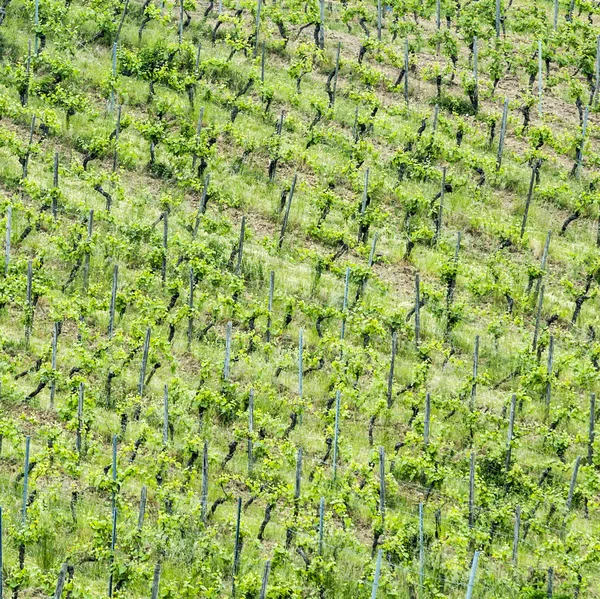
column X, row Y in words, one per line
column 299, row 298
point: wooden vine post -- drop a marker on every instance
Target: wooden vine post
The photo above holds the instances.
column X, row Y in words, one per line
column 502, row 135
column 509, row 440
column 591, row 430
column 391, row 371
column 113, row 302
column 286, row 215
column 471, row 584
column 516, row 535
column 336, row 433
column 270, row 305
column 204, row 492
column 146, row 349
column 55, row 332
column 8, row 237
column 236, row 550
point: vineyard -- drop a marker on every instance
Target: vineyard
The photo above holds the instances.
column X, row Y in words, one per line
column 299, row 299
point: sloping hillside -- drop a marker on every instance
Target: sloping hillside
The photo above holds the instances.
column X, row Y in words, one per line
column 299, row 299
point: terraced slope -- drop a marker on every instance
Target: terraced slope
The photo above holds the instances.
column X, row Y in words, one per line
column 277, row 322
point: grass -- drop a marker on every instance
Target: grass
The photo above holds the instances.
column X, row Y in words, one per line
column 196, row 559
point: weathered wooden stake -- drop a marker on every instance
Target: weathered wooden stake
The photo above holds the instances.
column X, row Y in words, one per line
column 377, row 574
column 26, row 159
column 53, row 363
column 497, row 18
column 8, row 235
column 201, row 206
column 290, row 531
column 363, row 206
column 421, row 554
column 516, row 534
column 336, row 433
column 191, row 308
column 163, row 271
column 382, row 484
column 257, row 27
column 322, row 24
column 198, row 132
column 250, row 429
column 165, row 432
column 391, row 371
column 369, row 264
column 406, row 71
column 345, row 304
column 475, row 366
column 573, row 483
column 36, row 23
column 591, row 432
column 111, row 105
column 540, row 77
column 335, row 75
column 528, row 201
column 555, row 15
column 472, row 575
column 122, row 21
column 270, row 304
column 238, row 266
column 476, row 73
column 538, row 315
column 597, row 81
column 543, row 263
column 549, row 374
column 113, row 542
column 502, row 134
column 438, row 224
column 549, row 590
column 287, row 212
column 321, row 524
column 116, row 152
column 157, row 567
column 236, row 550
column 579, row 163
column 142, row 512
column 29, row 316
column 204, row 497
column 300, row 361
column 113, row 301
column 355, row 126
column 265, row 580
column 378, row 20
column 86, row 259
column 417, row 309
column 427, row 420
column 472, row 490
column 60, row 583
column 114, row 471
column 79, row 419
column 25, row 482
column 227, row 361
column 511, row 424
column 142, row 379
column 55, row 187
